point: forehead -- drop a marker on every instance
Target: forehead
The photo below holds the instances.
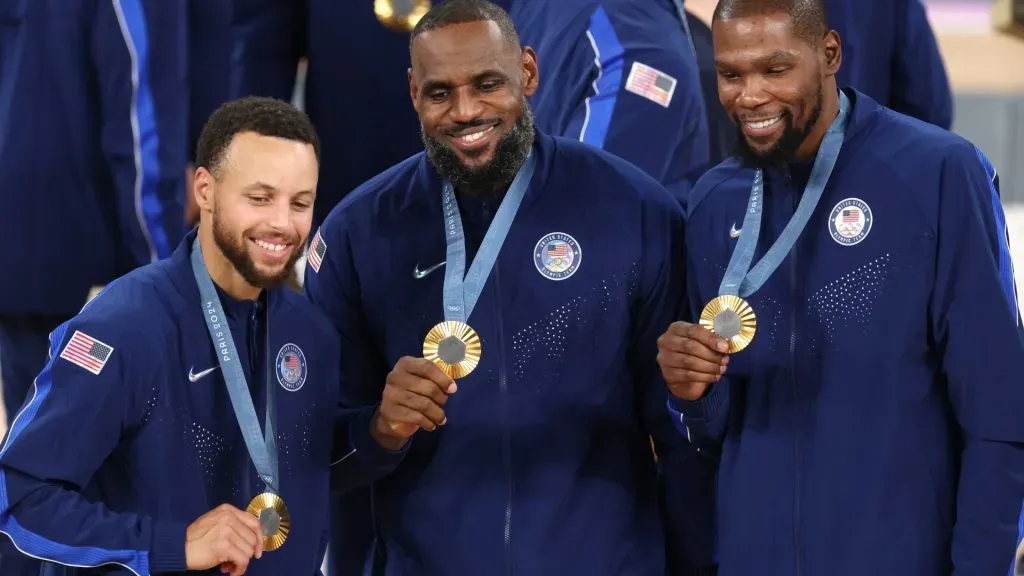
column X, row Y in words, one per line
column 752, row 37
column 459, row 50
column 252, row 156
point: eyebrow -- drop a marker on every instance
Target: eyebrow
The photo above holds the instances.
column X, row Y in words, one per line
column 779, row 56
column 429, row 84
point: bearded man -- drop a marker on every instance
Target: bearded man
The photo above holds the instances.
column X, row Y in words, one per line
column 186, row 416
column 499, row 297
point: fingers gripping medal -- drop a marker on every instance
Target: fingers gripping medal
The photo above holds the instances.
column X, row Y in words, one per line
column 268, row 507
column 729, row 315
column 400, row 15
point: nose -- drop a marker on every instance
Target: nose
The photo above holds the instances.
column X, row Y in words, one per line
column 466, row 106
column 280, row 214
column 753, row 94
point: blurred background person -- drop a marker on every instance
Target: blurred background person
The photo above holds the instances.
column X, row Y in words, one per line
column 93, row 144
column 620, row 75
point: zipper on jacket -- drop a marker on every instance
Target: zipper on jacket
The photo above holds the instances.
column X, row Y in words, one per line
column 797, row 482
column 506, row 441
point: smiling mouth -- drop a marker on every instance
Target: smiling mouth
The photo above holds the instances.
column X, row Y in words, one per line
column 762, row 124
column 272, row 249
column 473, row 137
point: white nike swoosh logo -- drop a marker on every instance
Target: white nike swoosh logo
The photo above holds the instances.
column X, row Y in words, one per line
column 733, row 232
column 195, row 377
column 417, row 273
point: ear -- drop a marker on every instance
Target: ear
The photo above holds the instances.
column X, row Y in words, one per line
column 531, row 72
column 203, row 187
column 413, row 91
column 833, row 50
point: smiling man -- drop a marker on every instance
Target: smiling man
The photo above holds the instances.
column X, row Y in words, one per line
column 523, row 443
column 858, row 358
column 185, row 418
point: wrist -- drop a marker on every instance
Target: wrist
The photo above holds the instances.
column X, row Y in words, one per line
column 381, row 432
column 167, row 549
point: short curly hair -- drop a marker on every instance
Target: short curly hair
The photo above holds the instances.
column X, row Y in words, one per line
column 264, row 116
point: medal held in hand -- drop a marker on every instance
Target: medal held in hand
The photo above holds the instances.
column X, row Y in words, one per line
column 453, row 345
column 268, row 507
column 400, row 15
column 275, row 522
column 729, row 315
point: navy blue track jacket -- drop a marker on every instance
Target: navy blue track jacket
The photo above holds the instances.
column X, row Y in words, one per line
column 128, row 435
column 890, row 53
column 93, row 135
column 620, row 75
column 873, row 426
column 356, row 93
column 545, row 464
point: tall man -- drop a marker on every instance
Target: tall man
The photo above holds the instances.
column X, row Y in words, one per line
column 871, row 425
column 185, row 417
column 530, row 452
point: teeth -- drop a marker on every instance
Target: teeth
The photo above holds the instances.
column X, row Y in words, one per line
column 268, row 246
column 470, row 138
column 764, row 123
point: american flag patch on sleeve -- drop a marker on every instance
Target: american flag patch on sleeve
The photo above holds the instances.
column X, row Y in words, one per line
column 316, row 252
column 651, row 83
column 85, row 351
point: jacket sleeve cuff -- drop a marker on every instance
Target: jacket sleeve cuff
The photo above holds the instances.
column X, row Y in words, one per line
column 703, row 409
column 368, row 450
column 167, row 552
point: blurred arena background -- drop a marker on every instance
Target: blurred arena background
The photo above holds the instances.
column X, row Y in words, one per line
column 985, row 62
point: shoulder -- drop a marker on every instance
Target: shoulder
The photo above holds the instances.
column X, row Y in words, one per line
column 718, row 183
column 363, row 204
column 594, row 171
column 123, row 324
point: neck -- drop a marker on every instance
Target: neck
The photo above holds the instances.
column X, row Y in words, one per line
column 220, row 269
column 829, row 111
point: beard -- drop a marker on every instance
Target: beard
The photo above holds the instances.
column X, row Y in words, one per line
column 784, row 150
column 234, row 249
column 509, row 155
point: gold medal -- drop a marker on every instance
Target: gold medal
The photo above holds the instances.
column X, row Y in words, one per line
column 453, row 347
column 274, row 520
column 400, row 15
column 732, row 318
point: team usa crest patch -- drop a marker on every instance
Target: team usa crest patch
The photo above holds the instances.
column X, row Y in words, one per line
column 87, row 352
column 317, row 251
column 557, row 256
column 291, row 367
column 850, row 221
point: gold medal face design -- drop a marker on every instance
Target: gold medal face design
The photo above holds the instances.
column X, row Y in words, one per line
column 454, row 347
column 732, row 318
column 275, row 522
column 400, row 15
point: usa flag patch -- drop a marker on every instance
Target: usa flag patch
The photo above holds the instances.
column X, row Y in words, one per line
column 316, row 252
column 85, row 351
column 651, row 83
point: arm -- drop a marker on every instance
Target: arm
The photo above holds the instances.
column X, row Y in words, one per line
column 664, row 133
column 72, row 422
column 331, row 283
column 702, row 421
column 269, row 40
column 138, row 52
column 920, row 84
column 978, row 335
column 687, row 479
